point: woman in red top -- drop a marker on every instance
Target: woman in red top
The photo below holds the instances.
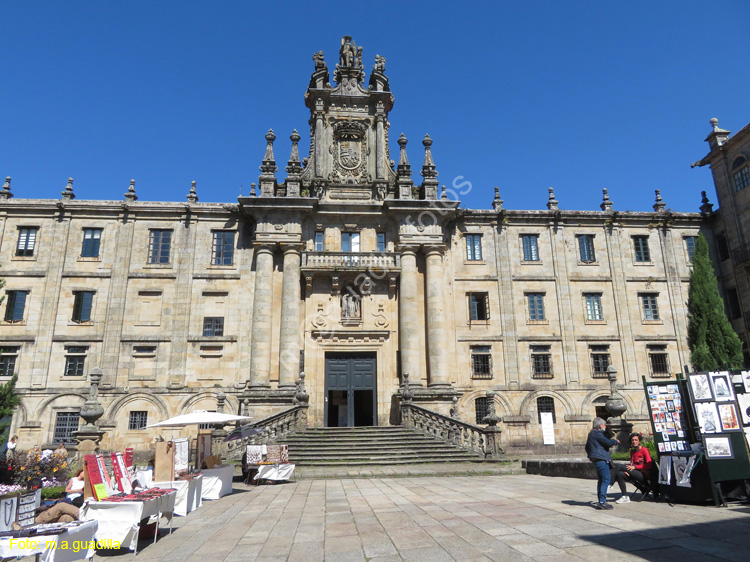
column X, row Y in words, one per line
column 638, row 469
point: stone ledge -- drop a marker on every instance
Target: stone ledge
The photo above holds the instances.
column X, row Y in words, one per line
column 568, row 468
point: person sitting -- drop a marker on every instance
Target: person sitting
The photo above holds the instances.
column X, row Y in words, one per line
column 61, row 512
column 637, row 472
column 74, row 489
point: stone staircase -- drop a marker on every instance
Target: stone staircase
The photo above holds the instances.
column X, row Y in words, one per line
column 389, row 445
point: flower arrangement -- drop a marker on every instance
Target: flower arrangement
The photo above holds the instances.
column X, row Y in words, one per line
column 50, row 468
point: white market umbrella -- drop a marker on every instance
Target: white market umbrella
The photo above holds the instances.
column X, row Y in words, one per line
column 199, row 417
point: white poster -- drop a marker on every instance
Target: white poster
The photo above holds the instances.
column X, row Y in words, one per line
column 181, row 455
column 682, row 477
column 665, row 470
column 8, row 507
column 548, row 428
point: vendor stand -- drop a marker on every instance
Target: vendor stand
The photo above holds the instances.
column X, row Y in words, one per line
column 55, row 542
column 217, row 482
column 188, row 493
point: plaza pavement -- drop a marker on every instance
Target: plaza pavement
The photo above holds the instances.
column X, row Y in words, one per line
column 443, row 518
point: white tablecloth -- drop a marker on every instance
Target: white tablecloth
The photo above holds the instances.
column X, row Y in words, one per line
column 145, row 478
column 217, row 482
column 47, row 545
column 188, row 497
column 120, row 521
column 275, row 471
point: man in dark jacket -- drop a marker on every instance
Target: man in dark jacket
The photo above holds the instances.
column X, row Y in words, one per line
column 597, row 450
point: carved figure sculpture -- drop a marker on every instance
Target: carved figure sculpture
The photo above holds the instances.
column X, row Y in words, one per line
column 348, row 52
column 320, row 63
column 359, row 58
column 379, row 64
column 349, row 305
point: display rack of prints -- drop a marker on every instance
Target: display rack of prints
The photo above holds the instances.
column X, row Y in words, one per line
column 274, row 454
column 121, row 473
column 666, row 409
column 95, row 477
column 107, row 479
column 27, row 503
column 254, row 454
column 129, row 457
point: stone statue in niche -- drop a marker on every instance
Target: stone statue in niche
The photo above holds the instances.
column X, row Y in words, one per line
column 350, row 305
column 348, row 52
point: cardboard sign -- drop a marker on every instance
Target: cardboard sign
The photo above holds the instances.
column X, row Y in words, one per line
column 548, row 428
column 129, row 457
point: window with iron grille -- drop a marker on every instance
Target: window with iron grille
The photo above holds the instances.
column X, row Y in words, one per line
column 599, row 360
column 733, row 304
column 479, row 307
column 91, row 240
column 586, row 248
column 75, row 361
column 594, row 306
column 536, row 306
column 15, row 305
column 319, row 241
column 650, row 306
column 742, row 178
column 481, row 409
column 545, row 404
column 481, row 362
column 530, row 247
column 541, row 362
column 26, row 241
column 222, row 251
column 213, row 326
column 82, row 304
column 659, row 359
column 474, row 247
column 138, row 420
column 690, row 246
column 381, row 241
column 722, row 247
column 159, row 244
column 8, row 356
column 66, row 423
column 640, row 246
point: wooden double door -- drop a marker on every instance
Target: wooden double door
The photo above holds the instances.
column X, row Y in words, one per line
column 350, row 387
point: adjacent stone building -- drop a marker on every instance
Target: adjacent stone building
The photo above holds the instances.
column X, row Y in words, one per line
column 350, row 270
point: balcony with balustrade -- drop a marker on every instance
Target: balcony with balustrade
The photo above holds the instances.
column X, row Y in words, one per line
column 351, row 261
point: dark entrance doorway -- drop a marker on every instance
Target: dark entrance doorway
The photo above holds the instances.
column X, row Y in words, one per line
column 350, row 390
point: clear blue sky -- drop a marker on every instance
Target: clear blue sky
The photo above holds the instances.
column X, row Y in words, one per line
column 523, row 95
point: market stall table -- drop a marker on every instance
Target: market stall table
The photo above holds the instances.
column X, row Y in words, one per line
column 188, row 497
column 47, row 548
column 119, row 521
column 217, row 482
column 275, row 472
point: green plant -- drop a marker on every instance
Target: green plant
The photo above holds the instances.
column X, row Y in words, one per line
column 53, row 492
column 50, row 467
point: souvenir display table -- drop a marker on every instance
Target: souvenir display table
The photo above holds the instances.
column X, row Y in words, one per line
column 275, row 472
column 188, row 496
column 77, row 537
column 217, row 482
column 145, row 478
column 120, row 519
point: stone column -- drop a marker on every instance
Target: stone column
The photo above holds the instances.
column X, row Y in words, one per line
column 319, row 115
column 408, row 315
column 290, row 318
column 260, row 347
column 437, row 348
column 379, row 147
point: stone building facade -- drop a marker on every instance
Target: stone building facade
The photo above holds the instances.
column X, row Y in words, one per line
column 350, row 270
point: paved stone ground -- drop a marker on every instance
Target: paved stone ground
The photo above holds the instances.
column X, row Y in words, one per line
column 444, row 518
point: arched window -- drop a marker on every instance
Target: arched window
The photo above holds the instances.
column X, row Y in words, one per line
column 545, row 404
column 739, row 161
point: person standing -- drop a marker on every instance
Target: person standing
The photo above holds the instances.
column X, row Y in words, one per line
column 597, row 450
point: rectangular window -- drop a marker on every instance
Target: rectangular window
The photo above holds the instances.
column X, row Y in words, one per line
column 541, row 362
column 599, row 360
column 159, row 243
column 536, row 306
column 222, row 252
column 350, row 241
column 530, row 247
column 479, row 307
column 545, row 405
column 722, row 247
column 586, row 248
column 91, row 239
column 659, row 360
column 690, row 246
column 481, row 409
column 8, row 356
column 66, row 423
column 481, row 362
column 75, row 361
column 213, row 326
column 138, row 420
column 733, row 304
column 473, row 247
column 26, row 241
column 381, row 241
column 16, row 305
column 594, row 306
column 319, row 241
column 82, row 304
column 640, row 246
column 650, row 306
column 742, row 178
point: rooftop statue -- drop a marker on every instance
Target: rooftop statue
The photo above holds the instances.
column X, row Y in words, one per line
column 320, row 63
column 348, row 52
column 379, row 64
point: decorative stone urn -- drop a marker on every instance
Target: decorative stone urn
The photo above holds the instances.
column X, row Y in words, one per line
column 90, row 436
column 616, row 406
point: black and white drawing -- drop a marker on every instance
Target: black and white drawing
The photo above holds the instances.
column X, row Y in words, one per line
column 701, row 386
column 723, row 388
column 718, row 448
column 708, row 417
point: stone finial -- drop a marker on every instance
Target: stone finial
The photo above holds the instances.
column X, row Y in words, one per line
column 6, row 193
column 491, row 419
column 92, row 409
column 443, row 193
column 497, row 203
column 454, row 410
column 403, row 160
column 192, row 196
column 243, row 407
column 267, row 178
column 706, row 207
column 301, row 395
column 252, row 190
column 717, row 136
column 130, row 196
column 67, row 193
column 659, row 206
column 406, row 392
column 221, row 399
column 606, row 205
column 294, row 166
column 429, row 173
column 552, row 203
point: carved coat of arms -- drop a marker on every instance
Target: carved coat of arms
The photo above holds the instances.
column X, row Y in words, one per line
column 349, row 150
column 350, row 154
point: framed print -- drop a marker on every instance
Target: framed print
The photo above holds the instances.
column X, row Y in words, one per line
column 744, row 402
column 665, row 470
column 701, row 387
column 708, row 417
column 723, row 388
column 728, row 417
column 718, row 447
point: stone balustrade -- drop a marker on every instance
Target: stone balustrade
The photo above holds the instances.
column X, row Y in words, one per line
column 351, row 260
column 275, row 427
